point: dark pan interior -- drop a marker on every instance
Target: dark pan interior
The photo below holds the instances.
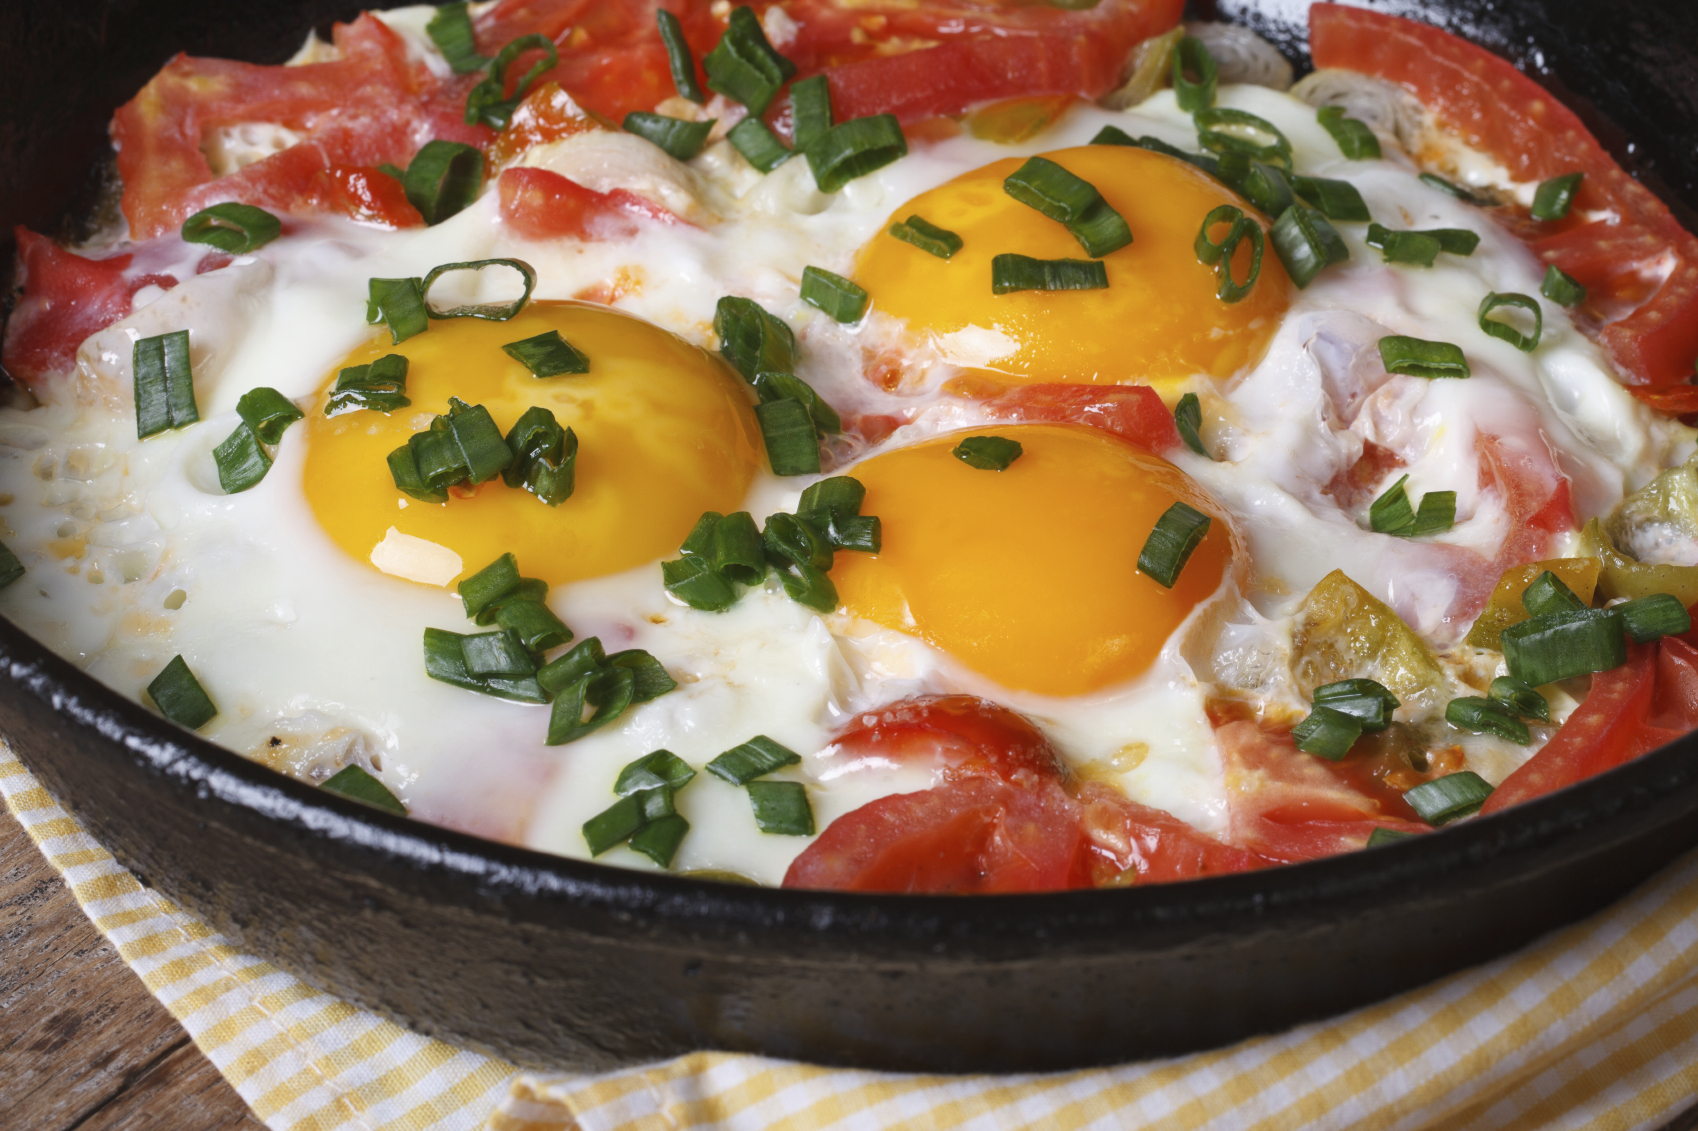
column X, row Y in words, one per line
column 555, row 962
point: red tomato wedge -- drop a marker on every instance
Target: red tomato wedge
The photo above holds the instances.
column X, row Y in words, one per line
column 369, row 107
column 1639, row 247
column 542, row 205
column 1132, row 412
column 1152, row 843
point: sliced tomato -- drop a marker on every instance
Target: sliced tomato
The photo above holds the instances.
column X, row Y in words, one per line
column 1132, row 412
column 1152, row 844
column 65, row 299
column 1498, row 109
column 957, row 735
column 539, row 204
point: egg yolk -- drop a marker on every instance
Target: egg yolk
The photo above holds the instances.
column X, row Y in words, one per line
column 1030, row 575
column 1158, row 318
column 665, row 432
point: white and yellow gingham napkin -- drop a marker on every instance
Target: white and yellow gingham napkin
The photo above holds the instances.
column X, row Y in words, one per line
column 1595, row 1026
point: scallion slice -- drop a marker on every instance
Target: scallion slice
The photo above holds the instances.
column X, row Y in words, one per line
column 840, row 496
column 781, row 808
column 235, row 228
column 737, row 549
column 678, row 137
column 491, row 311
column 488, row 102
column 1559, row 286
column 987, row 453
column 533, row 624
column 1336, row 200
column 1557, row 646
column 1195, row 75
column 855, row 148
column 484, row 448
column 547, row 355
column 1553, row 198
column 649, row 678
column 841, row 299
column 1519, row 699
column 1383, row 836
column 926, row 236
column 1306, row 242
column 660, row 838
column 380, row 385
column 792, row 540
column 1327, row 733
column 1445, row 799
column 1417, row 357
column 1176, row 536
column 241, row 460
column 585, row 659
column 1188, row 419
column 443, row 179
column 11, row 569
column 753, row 340
column 1011, row 272
column 1355, row 140
column 693, row 580
column 1486, row 716
column 400, row 305
column 792, row 442
column 614, row 825
column 1460, row 192
column 1417, row 249
column 496, row 654
column 1436, row 514
column 1258, row 182
column 660, row 770
column 1366, row 699
column 1392, row 512
column 180, row 697
column 1647, row 618
column 404, row 470
column 700, row 538
column 810, row 110
column 1225, row 130
column 164, row 383
column 545, row 456
column 809, row 587
column 1503, row 330
column 759, row 146
column 355, row 783
column 1220, row 254
column 605, row 694
column 857, row 532
column 1547, row 594
column 678, row 56
column 781, row 386
column 267, row 412
column 1068, row 199
column 753, row 759
column 743, row 66
column 450, row 28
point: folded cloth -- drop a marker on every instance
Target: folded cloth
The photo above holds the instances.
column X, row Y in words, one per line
column 1594, row 1026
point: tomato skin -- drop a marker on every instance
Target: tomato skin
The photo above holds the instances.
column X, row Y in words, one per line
column 958, row 735
column 1498, row 109
column 539, row 204
column 1153, row 844
column 66, row 298
column 1131, row 412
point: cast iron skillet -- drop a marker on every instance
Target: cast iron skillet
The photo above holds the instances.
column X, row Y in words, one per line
column 556, row 962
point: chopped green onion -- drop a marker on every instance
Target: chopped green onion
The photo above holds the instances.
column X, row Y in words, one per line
column 753, row 759
column 1519, row 699
column 810, row 110
column 492, row 311
column 1392, row 513
column 404, row 470
column 443, row 179
column 840, row 496
column 787, row 386
column 1548, row 595
column 743, row 66
column 180, row 697
column 1384, row 836
column 987, row 453
column 547, row 355
column 927, row 237
column 380, row 385
column 1336, row 200
column 792, row 540
column 1559, row 286
column 1101, row 230
column 586, row 658
column 390, row 170
column 792, row 440
column 1445, row 799
column 1437, row 514
column 855, row 148
column 267, row 412
column 1114, row 135
column 1503, row 330
column 488, row 102
column 608, row 692
column 463, row 446
column 678, row 137
column 10, row 567
column 678, row 56
column 165, row 383
column 1011, row 272
column 500, row 653
column 809, row 587
column 737, row 549
column 1355, row 140
column 1485, row 716
column 545, row 456
column 614, row 825
column 1220, row 254
column 1177, row 534
column 1458, row 191
column 649, row 679
column 857, row 532
column 1188, row 419
column 753, row 340
column 1306, row 242
column 399, row 304
column 1421, row 248
column 700, row 538
column 1190, row 58
column 1224, row 130
column 1553, row 198
column 1258, row 182
column 1068, row 199
column 529, row 589
column 241, row 461
column 693, row 580
column 1365, row 699
column 758, row 145
column 660, row 838
column 781, row 808
column 533, row 623
column 451, row 30
column 1327, row 733
column 235, row 228
column 660, row 770
column 843, row 300
column 1416, row 357
column 353, row 782
column 1647, row 618
column 1557, row 646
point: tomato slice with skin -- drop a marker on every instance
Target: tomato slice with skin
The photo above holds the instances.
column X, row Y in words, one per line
column 1498, row 109
column 1132, row 412
column 1152, row 844
column 957, row 735
column 539, row 204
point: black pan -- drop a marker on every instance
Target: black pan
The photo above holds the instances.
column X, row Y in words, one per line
column 556, row 962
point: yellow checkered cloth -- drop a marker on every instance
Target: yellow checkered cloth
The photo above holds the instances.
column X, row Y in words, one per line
column 1595, row 1026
